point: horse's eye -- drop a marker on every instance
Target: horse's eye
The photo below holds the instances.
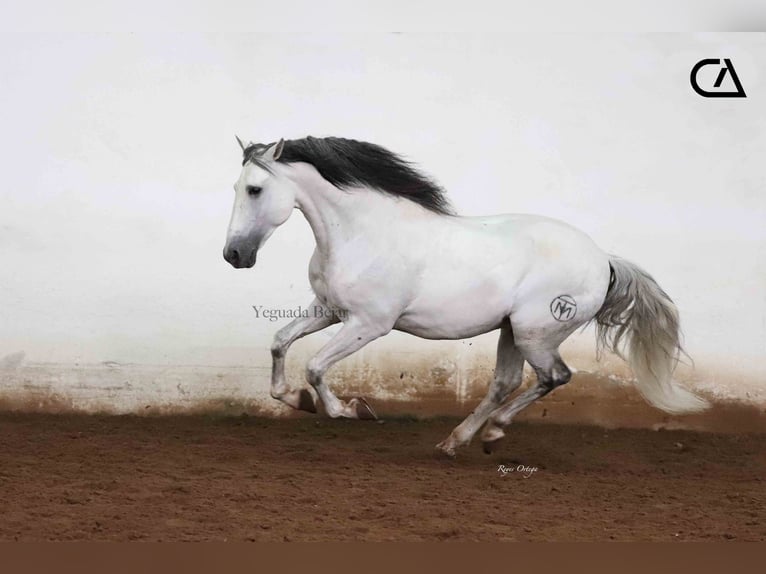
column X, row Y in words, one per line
column 253, row 190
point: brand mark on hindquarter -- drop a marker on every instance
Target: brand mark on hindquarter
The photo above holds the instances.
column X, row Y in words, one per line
column 563, row 308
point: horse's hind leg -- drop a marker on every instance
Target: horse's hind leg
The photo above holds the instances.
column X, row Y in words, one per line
column 551, row 373
column 507, row 378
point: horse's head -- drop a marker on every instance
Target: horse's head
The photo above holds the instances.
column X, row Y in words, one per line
column 264, row 199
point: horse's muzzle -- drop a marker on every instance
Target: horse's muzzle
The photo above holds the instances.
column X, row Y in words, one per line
column 240, row 257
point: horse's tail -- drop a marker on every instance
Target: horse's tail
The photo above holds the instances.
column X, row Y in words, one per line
column 639, row 317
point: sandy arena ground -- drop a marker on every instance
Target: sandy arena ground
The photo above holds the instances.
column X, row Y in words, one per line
column 65, row 477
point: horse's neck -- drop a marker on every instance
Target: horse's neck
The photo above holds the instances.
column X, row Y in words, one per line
column 337, row 216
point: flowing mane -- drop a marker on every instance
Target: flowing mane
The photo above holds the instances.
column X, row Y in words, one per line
column 346, row 163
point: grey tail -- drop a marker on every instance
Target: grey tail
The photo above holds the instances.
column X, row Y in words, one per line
column 639, row 322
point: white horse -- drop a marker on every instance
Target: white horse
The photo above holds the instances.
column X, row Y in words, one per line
column 390, row 254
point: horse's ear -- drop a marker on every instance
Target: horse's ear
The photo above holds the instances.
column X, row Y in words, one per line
column 274, row 151
column 239, row 141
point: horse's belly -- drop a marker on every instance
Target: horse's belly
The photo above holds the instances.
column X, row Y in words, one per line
column 430, row 328
column 458, row 313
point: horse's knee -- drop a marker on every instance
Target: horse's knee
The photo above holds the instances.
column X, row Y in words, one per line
column 278, row 347
column 314, row 372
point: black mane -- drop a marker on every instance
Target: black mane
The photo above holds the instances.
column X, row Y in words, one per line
column 346, row 163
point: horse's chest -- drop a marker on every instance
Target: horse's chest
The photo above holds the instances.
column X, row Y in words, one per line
column 341, row 284
column 317, row 278
column 324, row 281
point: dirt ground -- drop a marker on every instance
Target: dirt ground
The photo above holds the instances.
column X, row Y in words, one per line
column 66, row 477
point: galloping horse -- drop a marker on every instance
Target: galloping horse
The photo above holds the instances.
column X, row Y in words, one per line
column 391, row 254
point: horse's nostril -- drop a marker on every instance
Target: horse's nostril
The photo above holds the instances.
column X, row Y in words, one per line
column 231, row 255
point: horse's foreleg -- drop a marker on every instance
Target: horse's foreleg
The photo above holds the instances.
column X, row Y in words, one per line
column 551, row 373
column 354, row 335
column 319, row 318
column 508, row 370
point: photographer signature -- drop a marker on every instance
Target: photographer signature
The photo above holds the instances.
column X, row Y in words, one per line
column 524, row 470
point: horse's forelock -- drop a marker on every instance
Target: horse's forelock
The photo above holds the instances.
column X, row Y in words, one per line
column 253, row 152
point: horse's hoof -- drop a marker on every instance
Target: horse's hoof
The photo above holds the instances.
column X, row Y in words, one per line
column 306, row 401
column 445, row 450
column 364, row 411
column 491, row 435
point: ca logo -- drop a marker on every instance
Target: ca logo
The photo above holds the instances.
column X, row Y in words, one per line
column 728, row 67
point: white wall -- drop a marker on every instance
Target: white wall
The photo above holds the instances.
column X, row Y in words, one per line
column 118, row 156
